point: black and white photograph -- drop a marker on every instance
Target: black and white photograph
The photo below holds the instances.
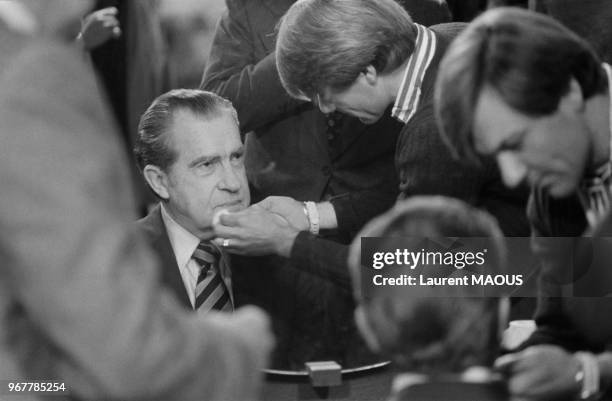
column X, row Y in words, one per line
column 278, row 200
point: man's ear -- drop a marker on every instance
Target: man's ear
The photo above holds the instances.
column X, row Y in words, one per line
column 573, row 100
column 157, row 180
column 363, row 325
column 370, row 75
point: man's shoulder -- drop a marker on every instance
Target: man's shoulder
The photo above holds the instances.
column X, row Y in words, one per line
column 445, row 33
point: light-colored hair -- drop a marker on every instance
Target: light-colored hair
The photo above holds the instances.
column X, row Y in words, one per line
column 328, row 43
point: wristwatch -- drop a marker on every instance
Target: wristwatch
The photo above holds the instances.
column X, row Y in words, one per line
column 312, row 213
column 588, row 376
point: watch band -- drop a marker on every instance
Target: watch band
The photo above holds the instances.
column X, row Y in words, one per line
column 588, row 375
column 313, row 217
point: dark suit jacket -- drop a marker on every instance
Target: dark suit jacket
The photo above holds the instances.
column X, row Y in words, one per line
column 273, row 291
column 574, row 263
column 427, row 167
column 73, row 274
column 575, row 277
column 154, row 230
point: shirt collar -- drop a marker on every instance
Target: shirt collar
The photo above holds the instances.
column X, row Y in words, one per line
column 183, row 242
column 407, row 99
column 18, row 17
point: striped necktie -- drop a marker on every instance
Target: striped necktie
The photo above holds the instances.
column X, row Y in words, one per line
column 211, row 292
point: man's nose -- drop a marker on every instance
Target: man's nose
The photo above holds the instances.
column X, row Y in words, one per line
column 232, row 178
column 513, row 170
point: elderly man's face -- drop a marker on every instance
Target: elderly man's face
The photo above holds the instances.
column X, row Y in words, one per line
column 549, row 151
column 208, row 174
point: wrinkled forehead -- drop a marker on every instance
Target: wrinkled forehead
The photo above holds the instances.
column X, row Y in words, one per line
column 189, row 130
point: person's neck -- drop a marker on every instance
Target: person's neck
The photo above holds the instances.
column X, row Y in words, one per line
column 597, row 117
column 206, row 234
column 393, row 81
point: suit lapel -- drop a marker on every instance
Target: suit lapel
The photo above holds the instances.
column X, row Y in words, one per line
column 155, row 229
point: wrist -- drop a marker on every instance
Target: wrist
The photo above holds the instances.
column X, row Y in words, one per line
column 587, row 377
column 312, row 214
column 327, row 216
column 604, row 360
column 285, row 245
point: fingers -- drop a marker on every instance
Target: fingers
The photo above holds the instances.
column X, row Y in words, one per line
column 229, row 226
column 252, row 216
column 111, row 23
column 517, row 382
column 105, row 18
column 114, row 28
column 108, row 11
column 506, row 363
column 230, row 219
column 231, row 239
column 228, row 243
column 238, row 246
column 232, row 233
column 265, row 203
column 278, row 203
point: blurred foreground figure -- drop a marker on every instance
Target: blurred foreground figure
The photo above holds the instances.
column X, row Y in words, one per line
column 125, row 41
column 442, row 339
column 80, row 301
column 522, row 88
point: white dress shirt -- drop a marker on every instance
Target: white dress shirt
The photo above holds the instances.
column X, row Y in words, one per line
column 183, row 244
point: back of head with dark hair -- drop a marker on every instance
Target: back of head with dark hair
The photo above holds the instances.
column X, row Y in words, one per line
column 328, row 43
column 153, row 145
column 528, row 58
column 437, row 333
